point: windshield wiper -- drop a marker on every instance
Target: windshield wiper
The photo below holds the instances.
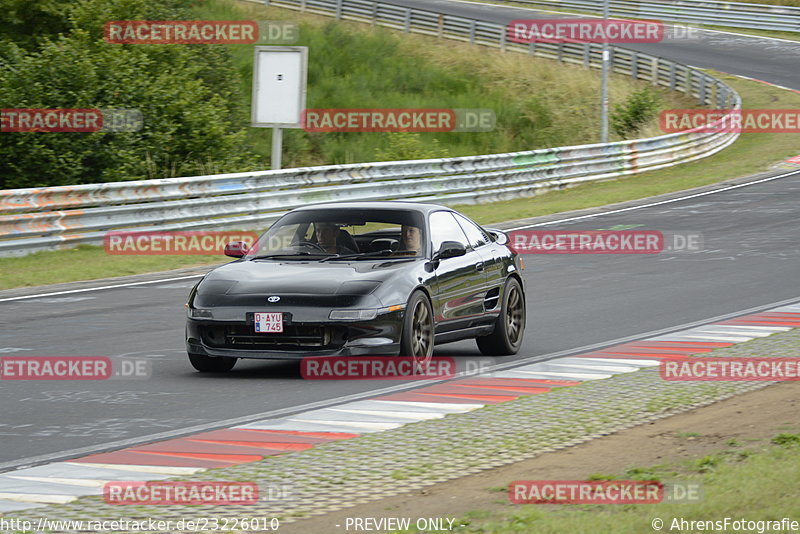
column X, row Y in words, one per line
column 271, row 256
column 375, row 254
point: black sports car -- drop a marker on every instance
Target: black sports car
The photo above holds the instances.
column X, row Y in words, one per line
column 359, row 278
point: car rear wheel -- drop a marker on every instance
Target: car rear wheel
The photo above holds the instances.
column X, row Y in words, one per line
column 207, row 364
column 509, row 326
column 417, row 338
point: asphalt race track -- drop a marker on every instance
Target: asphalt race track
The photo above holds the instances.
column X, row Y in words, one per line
column 750, row 256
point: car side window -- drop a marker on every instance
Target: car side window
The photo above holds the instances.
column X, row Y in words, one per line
column 445, row 228
column 477, row 237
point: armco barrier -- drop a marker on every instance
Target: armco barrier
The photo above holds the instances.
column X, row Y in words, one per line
column 45, row 218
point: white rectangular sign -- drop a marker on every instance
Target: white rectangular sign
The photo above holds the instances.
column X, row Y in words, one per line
column 279, row 86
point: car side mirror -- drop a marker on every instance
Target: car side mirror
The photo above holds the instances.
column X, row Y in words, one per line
column 236, row 249
column 451, row 249
column 499, row 236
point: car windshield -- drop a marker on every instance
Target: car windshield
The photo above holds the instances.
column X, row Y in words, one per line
column 352, row 234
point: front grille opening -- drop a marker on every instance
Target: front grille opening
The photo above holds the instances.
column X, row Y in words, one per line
column 293, row 336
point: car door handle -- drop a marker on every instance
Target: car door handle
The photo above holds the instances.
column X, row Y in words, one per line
column 479, row 266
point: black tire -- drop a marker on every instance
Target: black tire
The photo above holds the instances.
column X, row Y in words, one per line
column 416, row 339
column 509, row 328
column 207, row 364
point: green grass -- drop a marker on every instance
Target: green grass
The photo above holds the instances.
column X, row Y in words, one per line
column 86, row 262
column 755, row 485
column 538, row 103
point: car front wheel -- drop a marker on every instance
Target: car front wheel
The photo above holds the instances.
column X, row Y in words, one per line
column 207, row 364
column 417, row 338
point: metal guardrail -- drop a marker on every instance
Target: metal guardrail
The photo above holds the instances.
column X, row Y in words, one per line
column 45, row 218
column 704, row 12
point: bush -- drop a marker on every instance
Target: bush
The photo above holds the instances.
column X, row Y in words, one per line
column 641, row 106
column 188, row 94
column 409, row 145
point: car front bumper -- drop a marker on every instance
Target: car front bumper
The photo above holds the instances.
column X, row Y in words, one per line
column 377, row 337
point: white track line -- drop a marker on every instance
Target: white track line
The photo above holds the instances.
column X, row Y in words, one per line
column 99, row 288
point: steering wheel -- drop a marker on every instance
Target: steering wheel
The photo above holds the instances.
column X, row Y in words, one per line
column 317, row 246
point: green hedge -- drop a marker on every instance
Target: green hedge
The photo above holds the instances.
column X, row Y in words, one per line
column 53, row 56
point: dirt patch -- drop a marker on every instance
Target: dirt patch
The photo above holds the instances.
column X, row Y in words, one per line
column 749, row 418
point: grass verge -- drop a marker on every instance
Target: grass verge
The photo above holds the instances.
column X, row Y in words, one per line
column 87, row 262
column 356, row 65
column 736, row 483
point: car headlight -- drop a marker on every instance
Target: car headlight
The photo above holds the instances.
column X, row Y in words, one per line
column 361, row 315
column 200, row 313
column 353, row 315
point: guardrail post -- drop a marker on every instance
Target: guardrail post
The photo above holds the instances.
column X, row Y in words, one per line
column 672, row 76
column 702, row 89
column 472, row 31
column 635, row 65
column 338, row 9
column 407, row 28
column 266, row 3
column 654, row 71
column 302, row 5
column 441, row 26
column 502, row 39
column 587, row 55
column 560, row 51
column 374, row 13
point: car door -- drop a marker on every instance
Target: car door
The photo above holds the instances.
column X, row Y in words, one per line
column 460, row 283
column 492, row 259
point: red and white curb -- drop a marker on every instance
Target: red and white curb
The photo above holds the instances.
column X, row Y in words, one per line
column 62, row 482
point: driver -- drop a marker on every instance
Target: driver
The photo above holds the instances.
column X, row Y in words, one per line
column 411, row 238
column 328, row 238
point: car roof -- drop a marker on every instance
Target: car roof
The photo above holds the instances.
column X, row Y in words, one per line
column 378, row 205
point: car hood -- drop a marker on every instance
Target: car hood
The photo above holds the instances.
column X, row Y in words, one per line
column 300, row 283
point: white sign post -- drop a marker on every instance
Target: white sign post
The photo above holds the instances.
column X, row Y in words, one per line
column 279, row 91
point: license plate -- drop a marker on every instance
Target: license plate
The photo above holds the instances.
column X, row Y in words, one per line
column 269, row 322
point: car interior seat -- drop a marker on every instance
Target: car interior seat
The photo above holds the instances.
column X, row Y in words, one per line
column 344, row 239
